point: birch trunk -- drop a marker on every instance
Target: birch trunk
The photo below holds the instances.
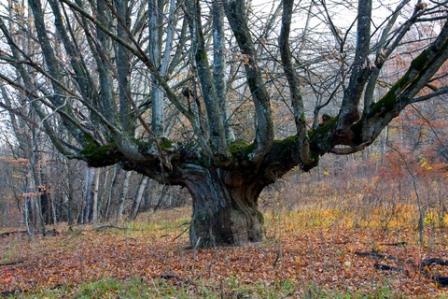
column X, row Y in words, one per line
column 95, row 196
column 138, row 199
column 124, row 195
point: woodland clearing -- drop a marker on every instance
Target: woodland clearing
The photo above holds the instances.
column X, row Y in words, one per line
column 314, row 252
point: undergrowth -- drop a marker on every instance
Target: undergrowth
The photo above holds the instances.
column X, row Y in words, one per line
column 137, row 287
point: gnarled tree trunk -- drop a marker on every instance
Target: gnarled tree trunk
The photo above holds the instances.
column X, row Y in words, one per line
column 224, row 209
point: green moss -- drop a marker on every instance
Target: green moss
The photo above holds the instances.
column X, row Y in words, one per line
column 142, row 145
column 90, row 145
column 243, row 147
column 385, row 104
column 201, row 55
column 287, row 141
column 421, row 61
column 284, row 147
column 98, row 155
column 260, row 217
column 315, row 157
column 89, row 140
column 165, row 143
column 240, row 147
column 323, row 128
column 388, row 101
column 321, row 137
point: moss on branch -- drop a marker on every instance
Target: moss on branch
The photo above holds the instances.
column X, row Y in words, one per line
column 284, row 154
column 99, row 155
column 387, row 102
column 323, row 129
column 165, row 143
column 241, row 148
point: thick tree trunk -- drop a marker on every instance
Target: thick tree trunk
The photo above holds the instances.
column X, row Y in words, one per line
column 224, row 210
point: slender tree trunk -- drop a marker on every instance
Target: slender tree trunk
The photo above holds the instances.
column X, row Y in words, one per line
column 102, row 192
column 95, row 196
column 88, row 195
column 35, row 181
column 68, row 194
column 44, row 196
column 67, row 201
column 146, row 200
column 45, row 206
column 110, row 192
column 163, row 194
column 124, row 195
column 138, row 199
column 26, row 213
column 53, row 210
column 224, row 210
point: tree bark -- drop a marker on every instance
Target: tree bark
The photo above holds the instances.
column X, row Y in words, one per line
column 224, row 209
column 26, row 214
column 87, row 202
column 68, row 193
column 138, row 197
column 110, row 192
column 95, row 196
column 35, row 181
column 123, row 196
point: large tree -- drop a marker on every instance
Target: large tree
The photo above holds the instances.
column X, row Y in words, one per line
column 162, row 87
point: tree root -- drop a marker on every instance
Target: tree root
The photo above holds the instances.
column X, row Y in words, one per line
column 440, row 280
column 10, row 233
column 49, row 233
column 375, row 254
column 385, row 267
column 423, row 266
column 398, row 244
column 11, row 263
column 433, row 261
column 110, row 226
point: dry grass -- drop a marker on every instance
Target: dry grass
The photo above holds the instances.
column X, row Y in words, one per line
column 312, row 246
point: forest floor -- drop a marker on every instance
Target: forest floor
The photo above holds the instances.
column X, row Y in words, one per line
column 313, row 253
